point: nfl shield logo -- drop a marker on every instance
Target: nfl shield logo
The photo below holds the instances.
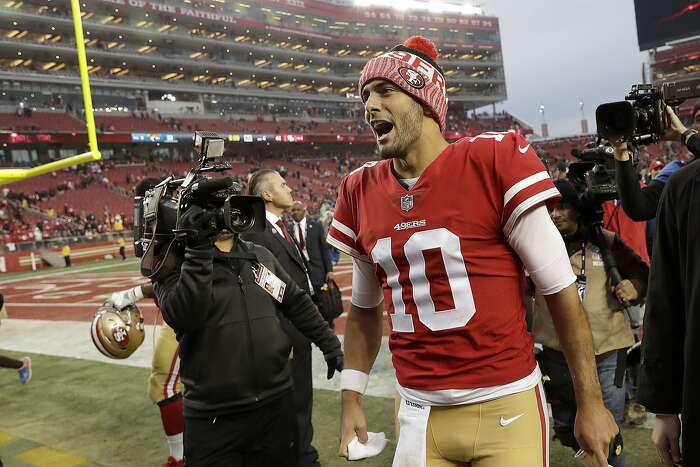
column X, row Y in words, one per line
column 407, row 203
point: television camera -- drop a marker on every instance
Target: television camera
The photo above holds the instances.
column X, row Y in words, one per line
column 157, row 212
column 642, row 118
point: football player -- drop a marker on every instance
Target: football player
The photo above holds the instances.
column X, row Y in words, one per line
column 164, row 387
column 23, row 365
column 442, row 234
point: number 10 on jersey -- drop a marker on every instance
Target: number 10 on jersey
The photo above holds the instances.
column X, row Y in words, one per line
column 413, row 249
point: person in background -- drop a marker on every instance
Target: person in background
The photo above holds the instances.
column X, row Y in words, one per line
column 640, row 204
column 612, row 335
column 122, row 246
column 311, row 238
column 670, row 370
column 273, row 189
column 654, row 168
column 164, row 386
column 65, row 251
column 558, row 170
column 24, row 364
column 118, row 223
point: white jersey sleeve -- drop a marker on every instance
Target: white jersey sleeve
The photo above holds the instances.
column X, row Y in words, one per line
column 539, row 245
column 366, row 290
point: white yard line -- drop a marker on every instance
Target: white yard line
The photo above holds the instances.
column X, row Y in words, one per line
column 95, row 305
column 71, row 339
column 65, row 273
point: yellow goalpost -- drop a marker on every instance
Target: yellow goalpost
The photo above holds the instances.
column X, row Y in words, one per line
column 14, row 175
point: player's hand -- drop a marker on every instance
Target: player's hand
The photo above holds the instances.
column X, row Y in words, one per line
column 594, row 429
column 123, row 299
column 352, row 421
column 676, row 124
column 666, row 436
column 625, row 291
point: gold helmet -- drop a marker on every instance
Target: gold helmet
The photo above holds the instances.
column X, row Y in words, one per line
column 117, row 334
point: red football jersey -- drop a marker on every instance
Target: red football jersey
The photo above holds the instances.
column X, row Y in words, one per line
column 453, row 287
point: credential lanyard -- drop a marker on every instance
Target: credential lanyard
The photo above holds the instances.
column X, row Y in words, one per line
column 581, row 278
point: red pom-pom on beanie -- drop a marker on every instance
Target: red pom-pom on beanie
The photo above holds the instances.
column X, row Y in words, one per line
column 424, row 45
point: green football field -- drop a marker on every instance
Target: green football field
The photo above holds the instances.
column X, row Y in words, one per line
column 82, row 412
column 98, row 414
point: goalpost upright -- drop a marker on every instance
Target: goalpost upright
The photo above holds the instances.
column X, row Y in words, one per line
column 13, row 175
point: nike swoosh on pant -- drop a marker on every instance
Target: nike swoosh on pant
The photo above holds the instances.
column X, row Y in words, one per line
column 508, row 421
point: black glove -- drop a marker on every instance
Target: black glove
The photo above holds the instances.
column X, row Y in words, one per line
column 335, row 363
column 198, row 226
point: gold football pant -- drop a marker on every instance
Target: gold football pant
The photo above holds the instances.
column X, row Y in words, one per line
column 164, row 381
column 505, row 432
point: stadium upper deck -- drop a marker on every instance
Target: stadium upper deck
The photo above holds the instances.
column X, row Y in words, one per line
column 304, row 50
column 679, row 61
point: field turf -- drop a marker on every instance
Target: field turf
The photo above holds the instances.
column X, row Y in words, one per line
column 100, row 414
column 88, row 413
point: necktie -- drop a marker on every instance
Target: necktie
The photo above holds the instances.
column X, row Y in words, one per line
column 284, row 230
column 302, row 243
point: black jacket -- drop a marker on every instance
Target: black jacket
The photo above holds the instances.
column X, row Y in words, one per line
column 693, row 145
column 669, row 376
column 639, row 203
column 287, row 254
column 319, row 258
column 234, row 352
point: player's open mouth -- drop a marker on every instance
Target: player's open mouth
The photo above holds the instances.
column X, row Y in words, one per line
column 382, row 129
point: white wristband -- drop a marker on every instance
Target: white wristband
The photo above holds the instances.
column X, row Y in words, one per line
column 353, row 380
column 138, row 293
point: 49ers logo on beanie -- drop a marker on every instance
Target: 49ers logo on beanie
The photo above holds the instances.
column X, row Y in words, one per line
column 412, row 77
column 413, row 67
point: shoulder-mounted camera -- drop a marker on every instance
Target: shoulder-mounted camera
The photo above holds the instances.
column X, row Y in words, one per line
column 158, row 208
column 642, row 118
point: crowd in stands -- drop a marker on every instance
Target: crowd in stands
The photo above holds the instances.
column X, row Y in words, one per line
column 65, row 204
column 557, row 152
column 34, row 216
column 71, row 202
column 62, row 115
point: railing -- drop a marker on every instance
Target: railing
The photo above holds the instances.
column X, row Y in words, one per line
column 57, row 242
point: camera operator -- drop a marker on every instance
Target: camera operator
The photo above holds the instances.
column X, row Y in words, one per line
column 610, row 328
column 222, row 301
column 640, row 203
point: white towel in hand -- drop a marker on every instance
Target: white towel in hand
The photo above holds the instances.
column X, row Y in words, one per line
column 374, row 445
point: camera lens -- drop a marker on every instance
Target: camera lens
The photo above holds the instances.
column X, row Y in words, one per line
column 239, row 220
column 616, row 119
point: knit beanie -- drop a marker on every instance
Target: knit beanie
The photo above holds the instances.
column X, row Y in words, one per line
column 413, row 67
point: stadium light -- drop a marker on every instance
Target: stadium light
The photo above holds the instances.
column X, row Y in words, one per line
column 429, row 5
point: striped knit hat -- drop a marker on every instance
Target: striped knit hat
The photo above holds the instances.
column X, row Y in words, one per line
column 413, row 67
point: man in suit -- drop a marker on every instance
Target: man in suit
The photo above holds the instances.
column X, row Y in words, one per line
column 272, row 188
column 311, row 238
